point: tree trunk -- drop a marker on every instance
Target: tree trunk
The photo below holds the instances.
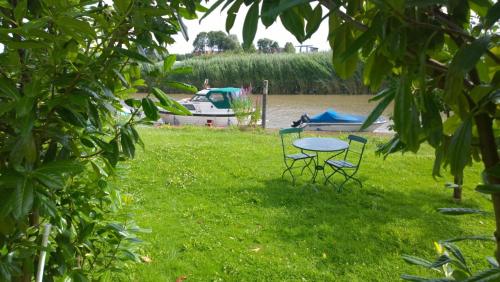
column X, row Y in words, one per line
column 457, row 191
column 490, row 158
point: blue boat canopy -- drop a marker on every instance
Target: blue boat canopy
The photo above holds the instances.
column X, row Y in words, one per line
column 331, row 116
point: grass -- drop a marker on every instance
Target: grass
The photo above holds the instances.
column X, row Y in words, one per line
column 220, row 211
column 287, row 73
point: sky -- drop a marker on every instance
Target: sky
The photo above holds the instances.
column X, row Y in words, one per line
column 217, row 21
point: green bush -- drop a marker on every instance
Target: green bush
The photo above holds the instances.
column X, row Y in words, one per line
column 65, row 68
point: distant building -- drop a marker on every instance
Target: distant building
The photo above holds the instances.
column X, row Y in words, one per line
column 306, row 49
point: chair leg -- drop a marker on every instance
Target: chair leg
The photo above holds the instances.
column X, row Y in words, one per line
column 349, row 177
column 307, row 165
column 329, row 176
column 289, row 169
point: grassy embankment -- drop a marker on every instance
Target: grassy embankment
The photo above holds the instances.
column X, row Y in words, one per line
column 219, row 211
column 287, row 73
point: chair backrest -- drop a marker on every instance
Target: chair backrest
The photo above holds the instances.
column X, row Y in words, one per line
column 288, row 135
column 354, row 153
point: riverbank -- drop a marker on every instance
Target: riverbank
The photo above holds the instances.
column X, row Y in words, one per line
column 219, row 211
column 283, row 109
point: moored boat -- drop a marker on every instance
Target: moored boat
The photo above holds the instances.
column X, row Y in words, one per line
column 331, row 120
column 210, row 107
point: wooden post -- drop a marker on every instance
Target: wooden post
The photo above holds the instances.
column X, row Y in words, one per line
column 43, row 252
column 264, row 103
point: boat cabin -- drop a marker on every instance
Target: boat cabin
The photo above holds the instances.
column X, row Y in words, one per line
column 221, row 98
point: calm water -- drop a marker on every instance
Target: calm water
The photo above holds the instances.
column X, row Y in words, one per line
column 283, row 109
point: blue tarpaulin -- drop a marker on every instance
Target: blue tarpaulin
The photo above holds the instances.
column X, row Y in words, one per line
column 332, row 116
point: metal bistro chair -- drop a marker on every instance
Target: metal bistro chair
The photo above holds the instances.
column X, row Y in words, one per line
column 287, row 136
column 349, row 165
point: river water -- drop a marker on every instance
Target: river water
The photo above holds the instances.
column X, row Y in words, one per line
column 283, row 109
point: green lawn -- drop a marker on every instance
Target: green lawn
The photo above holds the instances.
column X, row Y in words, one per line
column 219, row 211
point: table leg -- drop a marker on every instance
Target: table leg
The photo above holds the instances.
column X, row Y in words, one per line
column 317, row 168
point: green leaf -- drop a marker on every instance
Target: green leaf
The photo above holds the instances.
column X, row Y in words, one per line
column 21, row 200
column 460, row 211
column 388, row 95
column 150, row 11
column 181, row 86
column 71, row 116
column 464, row 60
column 54, row 174
column 24, row 106
column 293, row 21
column 26, row 44
column 161, row 96
column 177, row 109
column 250, row 25
column 432, row 123
column 438, row 160
column 5, row 4
column 492, row 274
column 442, row 260
column 422, row 279
column 113, row 153
column 121, row 6
column 406, row 117
column 493, row 262
column 460, row 147
column 150, row 109
column 492, row 16
column 168, row 63
column 121, row 77
column 230, row 22
column 267, row 16
column 480, row 6
column 8, row 89
column 211, row 9
column 488, row 188
column 61, row 166
column 20, row 10
column 358, row 43
column 477, row 237
column 134, row 103
column 425, row 3
column 467, row 57
column 128, row 146
column 283, row 7
column 461, row 263
column 494, row 170
column 314, row 22
column 133, row 55
column 74, row 26
column 416, row 261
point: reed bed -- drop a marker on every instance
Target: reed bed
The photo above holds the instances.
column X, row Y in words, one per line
column 310, row 73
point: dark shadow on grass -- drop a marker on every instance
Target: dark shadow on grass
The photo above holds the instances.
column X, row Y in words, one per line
column 359, row 225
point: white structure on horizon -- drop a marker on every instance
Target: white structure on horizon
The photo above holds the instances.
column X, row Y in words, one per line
column 307, row 48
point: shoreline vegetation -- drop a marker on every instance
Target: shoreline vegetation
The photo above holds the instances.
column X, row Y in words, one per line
column 303, row 73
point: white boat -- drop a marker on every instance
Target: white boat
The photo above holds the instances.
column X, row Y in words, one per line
column 333, row 121
column 211, row 107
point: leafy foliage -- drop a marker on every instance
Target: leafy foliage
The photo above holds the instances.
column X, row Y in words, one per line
column 65, row 69
column 451, row 262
